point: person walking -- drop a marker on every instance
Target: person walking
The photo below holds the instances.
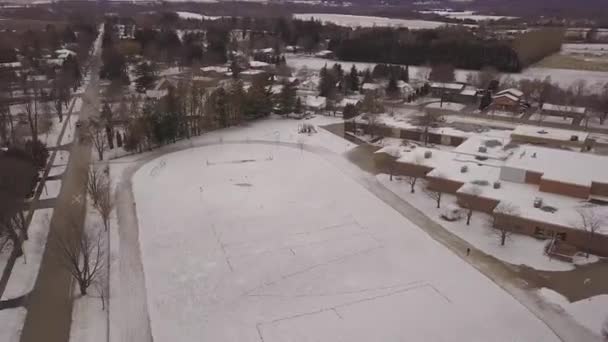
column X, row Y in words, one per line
column 468, row 251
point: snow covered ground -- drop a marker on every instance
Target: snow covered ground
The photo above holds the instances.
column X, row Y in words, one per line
column 519, row 249
column 268, row 243
column 563, row 77
column 591, row 312
column 195, row 16
column 25, row 270
column 12, row 321
column 457, row 107
column 466, row 15
column 90, row 315
column 368, row 21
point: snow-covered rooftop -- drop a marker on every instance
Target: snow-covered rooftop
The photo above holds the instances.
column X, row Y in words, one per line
column 515, row 92
column 452, row 86
column 469, row 92
column 491, row 147
column 549, row 133
column 316, row 102
column 507, row 95
column 371, row 86
column 561, row 165
column 215, row 68
column 564, row 109
column 258, row 64
column 252, row 72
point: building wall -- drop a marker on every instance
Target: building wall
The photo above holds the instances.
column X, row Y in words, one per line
column 546, row 141
column 388, row 164
column 599, row 189
column 566, row 189
column 573, row 236
column 533, row 177
column 443, row 185
column 486, row 205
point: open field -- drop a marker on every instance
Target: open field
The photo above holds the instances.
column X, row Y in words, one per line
column 368, row 21
column 255, row 242
column 576, row 62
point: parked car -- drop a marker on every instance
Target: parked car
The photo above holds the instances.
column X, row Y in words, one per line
column 452, row 213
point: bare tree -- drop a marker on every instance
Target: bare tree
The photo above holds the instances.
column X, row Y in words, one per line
column 507, row 211
column 434, row 193
column 427, row 121
column 105, row 203
column 467, row 201
column 81, row 254
column 94, row 184
column 411, row 180
column 97, row 133
column 591, row 222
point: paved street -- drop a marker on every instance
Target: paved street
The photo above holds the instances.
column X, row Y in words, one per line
column 49, row 306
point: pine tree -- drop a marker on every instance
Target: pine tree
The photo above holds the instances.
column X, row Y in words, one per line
column 367, row 76
column 259, row 100
column 298, row 107
column 326, row 82
column 391, row 89
column 353, row 79
column 235, row 69
column 236, row 102
column 287, row 98
column 146, row 77
column 405, row 74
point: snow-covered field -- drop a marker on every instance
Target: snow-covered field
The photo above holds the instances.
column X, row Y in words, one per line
column 467, row 15
column 255, row 242
column 368, row 21
column 591, row 312
column 195, row 16
column 563, row 77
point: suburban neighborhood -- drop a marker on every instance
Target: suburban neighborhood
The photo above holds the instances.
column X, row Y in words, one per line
column 303, row 171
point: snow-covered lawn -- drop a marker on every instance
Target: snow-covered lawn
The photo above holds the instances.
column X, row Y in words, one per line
column 258, row 242
column 368, row 21
column 11, row 322
column 457, row 107
column 591, row 312
column 51, row 189
column 518, row 250
column 549, row 118
column 25, row 271
column 90, row 315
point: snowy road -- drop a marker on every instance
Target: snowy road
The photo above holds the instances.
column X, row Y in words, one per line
column 363, row 248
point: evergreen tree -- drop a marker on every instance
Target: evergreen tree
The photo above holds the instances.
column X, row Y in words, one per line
column 326, row 82
column 391, row 89
column 259, row 100
column 350, row 111
column 367, row 76
column 353, row 78
column 236, row 102
column 405, row 74
column 287, row 99
column 235, row 69
column 146, row 76
column 486, row 100
column 298, row 107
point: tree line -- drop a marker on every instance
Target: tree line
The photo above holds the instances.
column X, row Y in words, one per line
column 456, row 46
